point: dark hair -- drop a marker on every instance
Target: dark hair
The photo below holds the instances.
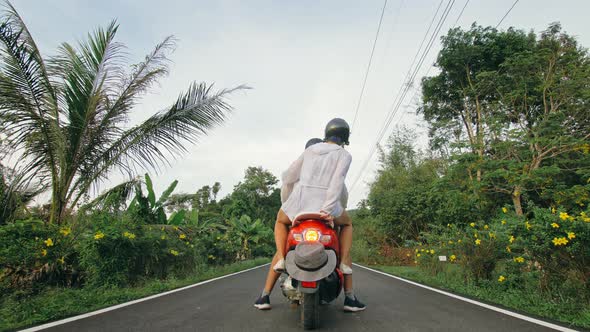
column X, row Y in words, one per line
column 313, row 141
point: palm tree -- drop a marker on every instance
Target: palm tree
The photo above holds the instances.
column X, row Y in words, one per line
column 66, row 116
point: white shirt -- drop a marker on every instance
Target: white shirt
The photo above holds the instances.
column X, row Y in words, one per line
column 315, row 181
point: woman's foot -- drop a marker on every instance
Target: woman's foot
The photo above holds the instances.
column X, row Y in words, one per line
column 353, row 304
column 345, row 269
column 263, row 303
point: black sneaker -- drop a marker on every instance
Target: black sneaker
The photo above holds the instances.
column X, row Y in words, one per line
column 263, row 303
column 353, row 305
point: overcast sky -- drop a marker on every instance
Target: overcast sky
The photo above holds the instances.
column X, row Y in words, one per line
column 305, row 61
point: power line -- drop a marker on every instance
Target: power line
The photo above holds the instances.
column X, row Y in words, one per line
column 358, row 105
column 460, row 14
column 508, row 12
column 406, row 86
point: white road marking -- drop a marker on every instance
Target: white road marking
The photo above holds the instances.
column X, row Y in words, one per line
column 487, row 306
column 118, row 306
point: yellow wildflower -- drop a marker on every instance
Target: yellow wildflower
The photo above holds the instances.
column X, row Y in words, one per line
column 504, row 210
column 527, row 225
column 453, row 258
column 475, row 235
column 48, row 242
column 571, row 235
column 553, row 210
column 416, row 250
column 459, row 241
column 422, row 250
column 61, row 260
column 512, row 239
column 503, row 222
column 163, row 237
column 44, row 252
column 129, row 235
column 492, row 235
column 559, row 241
column 450, row 242
column 175, row 228
column 486, row 227
column 478, row 241
column 563, row 215
column 182, row 236
column 418, row 255
column 99, row 235
column 472, row 224
column 519, row 259
column 174, row 252
column 508, row 249
column 448, row 225
column 65, row 231
column 555, row 225
column 501, row 279
column 432, row 251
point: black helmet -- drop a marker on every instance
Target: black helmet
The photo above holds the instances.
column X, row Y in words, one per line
column 313, row 141
column 337, row 131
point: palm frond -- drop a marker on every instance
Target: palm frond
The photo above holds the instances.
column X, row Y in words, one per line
column 116, row 196
column 194, row 113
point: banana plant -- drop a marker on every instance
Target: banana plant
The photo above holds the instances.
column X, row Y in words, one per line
column 248, row 232
column 150, row 210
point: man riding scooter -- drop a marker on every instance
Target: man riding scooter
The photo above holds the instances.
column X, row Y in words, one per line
column 315, row 183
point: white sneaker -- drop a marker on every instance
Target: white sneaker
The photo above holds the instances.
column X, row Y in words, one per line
column 279, row 266
column 345, row 269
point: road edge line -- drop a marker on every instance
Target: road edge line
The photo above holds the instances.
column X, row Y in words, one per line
column 481, row 304
column 126, row 304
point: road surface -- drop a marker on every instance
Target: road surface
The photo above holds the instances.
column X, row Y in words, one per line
column 226, row 305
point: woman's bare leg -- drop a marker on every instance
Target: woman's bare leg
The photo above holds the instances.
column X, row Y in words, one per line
column 345, row 238
column 272, row 276
column 281, row 232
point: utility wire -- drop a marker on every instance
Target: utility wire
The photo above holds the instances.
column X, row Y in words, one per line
column 406, row 86
column 508, row 12
column 358, row 105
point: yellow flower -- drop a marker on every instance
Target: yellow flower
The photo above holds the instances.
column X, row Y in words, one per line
column 563, row 215
column 65, row 231
column 571, row 235
column 422, row 250
column 175, row 228
column 472, row 224
column 174, row 252
column 553, row 210
column 559, row 241
column 504, row 210
column 508, row 249
column 418, row 255
column 448, row 225
column 512, row 239
column 450, row 242
column 519, row 259
column 162, row 228
column 432, row 251
column 453, row 258
column 99, row 235
column 163, row 237
column 459, row 241
column 61, row 260
column 478, row 241
column 555, row 225
column 501, row 279
column 503, row 222
column 492, row 235
column 48, row 242
column 527, row 225
column 44, row 252
column 486, row 227
column 182, row 236
column 475, row 235
column 416, row 250
column 129, row 235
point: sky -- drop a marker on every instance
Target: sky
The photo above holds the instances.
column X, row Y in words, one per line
column 304, row 60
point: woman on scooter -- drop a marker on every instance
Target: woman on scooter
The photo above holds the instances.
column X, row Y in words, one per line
column 315, row 183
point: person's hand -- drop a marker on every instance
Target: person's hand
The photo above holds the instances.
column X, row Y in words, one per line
column 327, row 217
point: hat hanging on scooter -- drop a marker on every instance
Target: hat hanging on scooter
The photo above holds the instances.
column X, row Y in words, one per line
column 310, row 262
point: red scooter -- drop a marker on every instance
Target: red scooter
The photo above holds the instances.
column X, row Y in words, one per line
column 312, row 260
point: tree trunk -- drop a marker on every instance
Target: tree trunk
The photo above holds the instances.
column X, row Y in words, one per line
column 516, row 200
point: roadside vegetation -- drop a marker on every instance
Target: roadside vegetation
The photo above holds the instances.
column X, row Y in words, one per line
column 63, row 131
column 502, row 191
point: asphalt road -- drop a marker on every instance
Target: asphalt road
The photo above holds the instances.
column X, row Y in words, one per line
column 226, row 305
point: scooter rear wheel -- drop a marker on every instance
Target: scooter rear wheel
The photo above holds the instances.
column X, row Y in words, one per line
column 310, row 311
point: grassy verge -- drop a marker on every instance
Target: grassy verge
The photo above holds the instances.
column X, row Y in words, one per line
column 56, row 303
column 524, row 299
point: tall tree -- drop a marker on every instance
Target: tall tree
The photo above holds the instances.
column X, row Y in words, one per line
column 67, row 115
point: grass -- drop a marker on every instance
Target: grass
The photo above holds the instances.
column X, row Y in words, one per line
column 524, row 299
column 56, row 303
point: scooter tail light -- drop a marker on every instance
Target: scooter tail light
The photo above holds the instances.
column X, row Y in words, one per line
column 325, row 239
column 298, row 237
column 309, row 284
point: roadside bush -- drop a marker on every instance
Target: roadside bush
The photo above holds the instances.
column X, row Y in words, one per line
column 34, row 254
